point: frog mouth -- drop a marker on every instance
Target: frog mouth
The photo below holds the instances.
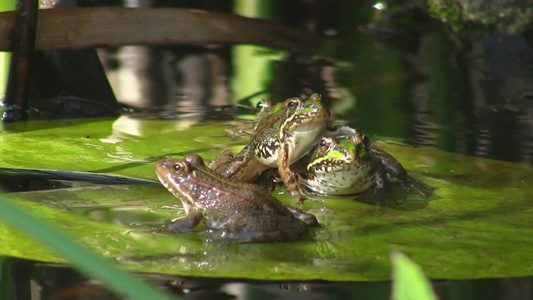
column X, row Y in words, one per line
column 163, row 180
column 332, row 167
column 167, row 183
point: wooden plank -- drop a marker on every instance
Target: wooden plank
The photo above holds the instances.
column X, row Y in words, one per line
column 18, row 82
column 89, row 27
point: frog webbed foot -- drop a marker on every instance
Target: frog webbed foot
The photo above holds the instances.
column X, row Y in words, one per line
column 421, row 188
column 183, row 225
column 307, row 218
column 312, row 196
column 294, row 188
column 299, row 193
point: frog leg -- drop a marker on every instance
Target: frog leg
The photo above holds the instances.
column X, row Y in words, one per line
column 421, row 188
column 186, row 224
column 308, row 219
column 261, row 228
column 243, row 167
column 222, row 160
column 289, row 177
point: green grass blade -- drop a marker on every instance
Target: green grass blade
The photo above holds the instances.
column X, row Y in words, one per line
column 83, row 260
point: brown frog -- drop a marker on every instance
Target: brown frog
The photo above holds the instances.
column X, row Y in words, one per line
column 242, row 212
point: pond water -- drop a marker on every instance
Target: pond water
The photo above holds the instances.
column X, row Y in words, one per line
column 456, row 112
column 52, row 281
column 420, row 84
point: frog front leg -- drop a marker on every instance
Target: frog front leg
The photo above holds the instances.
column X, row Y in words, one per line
column 221, row 161
column 186, row 224
column 287, row 175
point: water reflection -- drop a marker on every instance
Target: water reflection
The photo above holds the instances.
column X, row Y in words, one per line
column 468, row 96
column 36, row 280
column 471, row 98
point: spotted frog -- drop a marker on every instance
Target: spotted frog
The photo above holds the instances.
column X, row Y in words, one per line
column 243, row 212
column 341, row 166
column 280, row 138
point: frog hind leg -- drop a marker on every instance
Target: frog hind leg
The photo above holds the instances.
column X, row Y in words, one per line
column 308, row 219
column 421, row 188
column 265, row 228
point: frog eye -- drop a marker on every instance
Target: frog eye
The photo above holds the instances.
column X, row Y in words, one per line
column 366, row 141
column 293, row 103
column 179, row 168
column 360, row 140
column 323, row 143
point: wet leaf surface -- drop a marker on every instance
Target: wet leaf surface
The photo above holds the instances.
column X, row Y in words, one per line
column 478, row 223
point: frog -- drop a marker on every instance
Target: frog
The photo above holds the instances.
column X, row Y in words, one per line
column 353, row 164
column 342, row 166
column 242, row 212
column 263, row 108
column 280, row 137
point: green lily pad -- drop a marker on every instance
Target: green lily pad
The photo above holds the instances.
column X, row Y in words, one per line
column 477, row 225
column 124, row 146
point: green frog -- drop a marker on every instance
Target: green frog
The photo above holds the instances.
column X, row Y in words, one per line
column 243, row 212
column 280, row 138
column 341, row 166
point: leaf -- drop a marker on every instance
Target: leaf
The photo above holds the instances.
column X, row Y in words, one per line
column 408, row 281
column 477, row 225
